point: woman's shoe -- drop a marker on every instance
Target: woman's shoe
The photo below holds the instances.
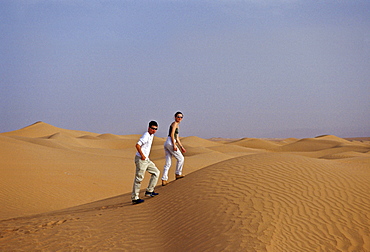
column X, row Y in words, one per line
column 164, row 182
column 179, row 176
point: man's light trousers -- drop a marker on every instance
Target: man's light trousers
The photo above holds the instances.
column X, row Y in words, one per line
column 141, row 167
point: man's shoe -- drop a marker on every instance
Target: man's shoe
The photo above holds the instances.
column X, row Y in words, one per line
column 137, row 201
column 150, row 194
column 179, row 176
column 164, row 182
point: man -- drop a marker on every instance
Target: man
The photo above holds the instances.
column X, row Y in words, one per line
column 143, row 164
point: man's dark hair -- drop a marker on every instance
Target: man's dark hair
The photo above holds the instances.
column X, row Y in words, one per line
column 153, row 123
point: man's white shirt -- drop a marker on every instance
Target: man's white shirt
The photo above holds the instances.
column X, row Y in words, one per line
column 146, row 144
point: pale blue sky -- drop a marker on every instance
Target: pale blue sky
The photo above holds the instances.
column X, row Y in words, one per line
column 269, row 68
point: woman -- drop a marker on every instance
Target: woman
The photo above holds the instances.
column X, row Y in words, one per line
column 171, row 149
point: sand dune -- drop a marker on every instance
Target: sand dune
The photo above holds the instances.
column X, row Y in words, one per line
column 40, row 129
column 70, row 190
column 198, row 142
column 256, row 143
column 310, row 144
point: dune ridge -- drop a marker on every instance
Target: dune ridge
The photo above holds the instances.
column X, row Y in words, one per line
column 70, row 190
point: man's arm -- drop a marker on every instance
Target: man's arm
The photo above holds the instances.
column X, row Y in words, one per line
column 138, row 147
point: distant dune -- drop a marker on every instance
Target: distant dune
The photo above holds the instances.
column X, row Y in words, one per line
column 68, row 190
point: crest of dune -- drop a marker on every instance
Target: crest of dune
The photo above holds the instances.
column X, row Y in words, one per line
column 256, row 143
column 70, row 190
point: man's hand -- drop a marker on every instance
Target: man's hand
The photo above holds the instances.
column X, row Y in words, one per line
column 138, row 147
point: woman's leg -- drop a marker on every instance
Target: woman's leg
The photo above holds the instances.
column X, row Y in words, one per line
column 168, row 163
column 180, row 161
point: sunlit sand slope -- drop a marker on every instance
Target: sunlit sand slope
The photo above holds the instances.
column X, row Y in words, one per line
column 67, row 190
column 262, row 202
column 45, row 168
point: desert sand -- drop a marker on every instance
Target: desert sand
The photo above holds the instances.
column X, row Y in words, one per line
column 68, row 190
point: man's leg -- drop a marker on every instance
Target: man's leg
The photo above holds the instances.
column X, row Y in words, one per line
column 139, row 176
column 152, row 169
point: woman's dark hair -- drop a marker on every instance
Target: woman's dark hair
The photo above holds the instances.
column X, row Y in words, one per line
column 178, row 113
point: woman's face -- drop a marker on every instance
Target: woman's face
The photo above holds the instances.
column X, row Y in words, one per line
column 178, row 118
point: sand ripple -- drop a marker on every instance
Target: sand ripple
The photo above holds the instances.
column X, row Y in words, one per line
column 301, row 195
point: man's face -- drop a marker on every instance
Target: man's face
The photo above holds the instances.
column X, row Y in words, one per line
column 152, row 129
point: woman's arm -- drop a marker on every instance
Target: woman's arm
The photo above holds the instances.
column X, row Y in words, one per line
column 180, row 144
column 173, row 127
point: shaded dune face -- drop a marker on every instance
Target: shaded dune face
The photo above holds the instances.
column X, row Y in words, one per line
column 64, row 189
